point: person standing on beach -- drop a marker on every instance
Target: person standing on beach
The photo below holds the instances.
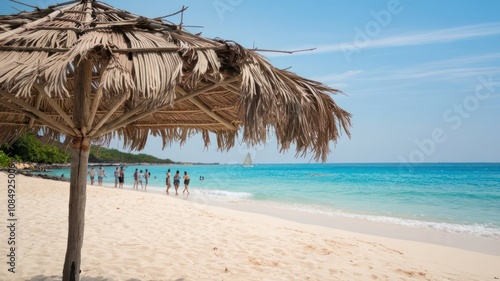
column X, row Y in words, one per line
column 141, row 176
column 168, row 180
column 100, row 174
column 186, row 182
column 117, row 176
column 121, row 177
column 136, row 179
column 146, row 178
column 177, row 181
column 91, row 173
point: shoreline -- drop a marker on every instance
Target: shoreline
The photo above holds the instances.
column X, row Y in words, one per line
column 481, row 244
column 464, row 241
column 469, row 242
column 209, row 242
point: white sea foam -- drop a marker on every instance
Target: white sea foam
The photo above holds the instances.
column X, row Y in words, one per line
column 484, row 230
column 224, row 195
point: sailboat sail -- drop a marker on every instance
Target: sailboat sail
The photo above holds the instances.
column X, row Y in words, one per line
column 248, row 161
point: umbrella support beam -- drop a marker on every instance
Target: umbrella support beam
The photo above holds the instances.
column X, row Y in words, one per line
column 80, row 151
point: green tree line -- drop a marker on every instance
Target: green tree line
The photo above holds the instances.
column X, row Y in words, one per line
column 106, row 155
column 28, row 148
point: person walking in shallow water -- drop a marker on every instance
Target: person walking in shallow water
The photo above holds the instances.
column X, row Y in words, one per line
column 168, row 180
column 186, row 182
column 136, row 179
column 121, row 178
column 117, row 176
column 91, row 173
column 139, row 179
column 177, row 181
column 101, row 173
column 146, row 178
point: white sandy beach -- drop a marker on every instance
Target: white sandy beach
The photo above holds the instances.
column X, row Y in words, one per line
column 131, row 235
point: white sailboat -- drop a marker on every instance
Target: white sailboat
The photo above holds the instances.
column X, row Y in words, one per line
column 248, row 161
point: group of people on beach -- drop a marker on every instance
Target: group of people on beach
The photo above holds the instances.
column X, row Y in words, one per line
column 177, row 181
column 139, row 178
column 101, row 173
column 119, row 177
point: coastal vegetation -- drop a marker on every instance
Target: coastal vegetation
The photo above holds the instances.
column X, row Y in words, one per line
column 106, row 155
column 29, row 148
column 4, row 159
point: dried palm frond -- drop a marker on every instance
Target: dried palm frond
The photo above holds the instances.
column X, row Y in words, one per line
column 151, row 77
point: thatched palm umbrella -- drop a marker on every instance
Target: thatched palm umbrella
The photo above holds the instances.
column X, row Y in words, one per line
column 90, row 72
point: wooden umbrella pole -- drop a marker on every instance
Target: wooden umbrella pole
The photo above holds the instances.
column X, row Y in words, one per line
column 80, row 151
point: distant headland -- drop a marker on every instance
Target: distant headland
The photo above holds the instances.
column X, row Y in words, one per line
column 29, row 153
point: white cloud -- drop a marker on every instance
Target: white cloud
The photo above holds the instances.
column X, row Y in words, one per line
column 449, row 69
column 443, row 74
column 439, row 36
column 338, row 85
column 334, row 77
column 446, row 35
column 463, row 60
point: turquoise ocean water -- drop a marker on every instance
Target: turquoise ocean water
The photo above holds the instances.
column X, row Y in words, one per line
column 460, row 198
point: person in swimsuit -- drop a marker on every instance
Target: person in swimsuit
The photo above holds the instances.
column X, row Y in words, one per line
column 177, row 181
column 186, row 182
column 100, row 174
column 136, row 179
column 139, row 179
column 91, row 173
column 117, row 176
column 121, row 178
column 168, row 180
column 146, row 178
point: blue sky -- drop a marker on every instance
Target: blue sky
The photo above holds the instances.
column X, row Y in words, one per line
column 421, row 78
